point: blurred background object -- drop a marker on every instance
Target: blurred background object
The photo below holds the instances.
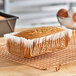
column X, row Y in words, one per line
column 35, row 12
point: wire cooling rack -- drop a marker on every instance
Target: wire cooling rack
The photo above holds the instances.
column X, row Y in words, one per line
column 46, row 61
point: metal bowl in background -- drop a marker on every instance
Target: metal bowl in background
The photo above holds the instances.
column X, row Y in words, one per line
column 7, row 25
column 67, row 22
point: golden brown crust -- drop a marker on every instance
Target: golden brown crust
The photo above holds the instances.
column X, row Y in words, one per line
column 38, row 32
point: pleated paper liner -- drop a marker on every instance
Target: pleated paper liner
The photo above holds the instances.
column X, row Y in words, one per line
column 46, row 61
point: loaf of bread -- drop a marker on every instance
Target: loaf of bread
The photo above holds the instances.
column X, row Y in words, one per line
column 37, row 41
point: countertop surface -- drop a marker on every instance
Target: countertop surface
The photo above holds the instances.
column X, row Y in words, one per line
column 10, row 68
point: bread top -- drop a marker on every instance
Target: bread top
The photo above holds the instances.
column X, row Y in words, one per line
column 38, row 32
